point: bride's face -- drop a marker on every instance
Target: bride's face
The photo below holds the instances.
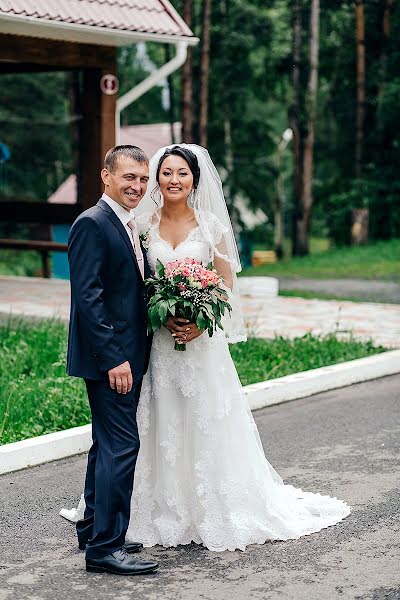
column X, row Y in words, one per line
column 175, row 179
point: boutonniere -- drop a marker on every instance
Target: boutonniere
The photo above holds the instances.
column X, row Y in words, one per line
column 144, row 238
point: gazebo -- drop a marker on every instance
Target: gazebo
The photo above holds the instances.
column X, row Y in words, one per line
column 83, row 35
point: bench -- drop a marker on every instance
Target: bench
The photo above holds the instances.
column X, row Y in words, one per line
column 263, row 257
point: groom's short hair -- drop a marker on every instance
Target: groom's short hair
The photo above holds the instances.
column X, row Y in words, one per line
column 113, row 155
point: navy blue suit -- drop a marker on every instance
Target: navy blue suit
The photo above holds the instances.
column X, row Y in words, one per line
column 107, row 328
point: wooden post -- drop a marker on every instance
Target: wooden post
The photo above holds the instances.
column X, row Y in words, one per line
column 97, row 133
column 46, row 266
column 97, row 129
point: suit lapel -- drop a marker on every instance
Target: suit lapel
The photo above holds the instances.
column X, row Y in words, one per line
column 147, row 271
column 115, row 220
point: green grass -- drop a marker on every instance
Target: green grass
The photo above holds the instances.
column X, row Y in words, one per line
column 376, row 261
column 317, row 244
column 260, row 359
column 22, row 263
column 37, row 397
column 320, row 296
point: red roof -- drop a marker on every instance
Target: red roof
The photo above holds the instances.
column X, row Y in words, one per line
column 153, row 17
column 150, row 137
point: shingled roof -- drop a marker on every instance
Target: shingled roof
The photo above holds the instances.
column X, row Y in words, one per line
column 108, row 22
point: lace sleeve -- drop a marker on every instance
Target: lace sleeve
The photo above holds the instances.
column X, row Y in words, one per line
column 217, row 229
column 144, row 222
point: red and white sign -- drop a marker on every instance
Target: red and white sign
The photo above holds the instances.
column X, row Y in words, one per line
column 109, row 84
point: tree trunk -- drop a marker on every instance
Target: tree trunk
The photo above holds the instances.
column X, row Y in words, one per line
column 387, row 134
column 308, row 157
column 228, row 184
column 278, row 208
column 187, row 82
column 171, row 109
column 278, row 230
column 295, row 121
column 387, row 24
column 303, row 137
column 204, row 76
column 386, row 32
column 360, row 112
column 228, row 160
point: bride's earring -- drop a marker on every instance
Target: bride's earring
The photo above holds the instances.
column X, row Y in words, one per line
column 191, row 198
column 156, row 196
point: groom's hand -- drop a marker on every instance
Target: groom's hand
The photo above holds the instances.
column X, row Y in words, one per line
column 120, row 377
column 182, row 330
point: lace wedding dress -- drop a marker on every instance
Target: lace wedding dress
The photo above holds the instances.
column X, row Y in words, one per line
column 202, row 474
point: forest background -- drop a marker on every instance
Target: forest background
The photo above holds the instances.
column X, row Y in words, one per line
column 327, row 70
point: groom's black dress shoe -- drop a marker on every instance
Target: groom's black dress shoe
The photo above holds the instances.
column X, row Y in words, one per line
column 120, row 563
column 130, row 547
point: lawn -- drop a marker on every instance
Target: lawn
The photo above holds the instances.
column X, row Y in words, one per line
column 309, row 295
column 259, row 359
column 37, row 397
column 16, row 262
column 376, row 261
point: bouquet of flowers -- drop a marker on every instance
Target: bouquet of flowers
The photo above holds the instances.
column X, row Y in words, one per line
column 188, row 289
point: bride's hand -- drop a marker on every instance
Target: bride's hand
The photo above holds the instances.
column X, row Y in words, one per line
column 182, row 331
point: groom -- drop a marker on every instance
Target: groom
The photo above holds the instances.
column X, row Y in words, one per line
column 109, row 348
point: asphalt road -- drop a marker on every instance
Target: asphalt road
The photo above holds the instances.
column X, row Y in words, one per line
column 345, row 443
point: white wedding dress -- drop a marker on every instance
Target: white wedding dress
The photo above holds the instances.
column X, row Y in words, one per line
column 201, row 473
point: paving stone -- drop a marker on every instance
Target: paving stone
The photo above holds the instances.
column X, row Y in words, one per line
column 289, row 317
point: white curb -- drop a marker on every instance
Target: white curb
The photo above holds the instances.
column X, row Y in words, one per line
column 53, row 446
column 309, row 383
column 44, row 448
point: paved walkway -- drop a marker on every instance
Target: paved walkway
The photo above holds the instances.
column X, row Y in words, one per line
column 292, row 317
column 364, row 289
column 289, row 317
column 344, row 443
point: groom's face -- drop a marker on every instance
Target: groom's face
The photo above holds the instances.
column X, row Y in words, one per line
column 128, row 183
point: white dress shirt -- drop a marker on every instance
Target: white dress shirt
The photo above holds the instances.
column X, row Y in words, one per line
column 125, row 216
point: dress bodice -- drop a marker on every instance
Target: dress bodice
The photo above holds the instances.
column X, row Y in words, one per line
column 193, row 246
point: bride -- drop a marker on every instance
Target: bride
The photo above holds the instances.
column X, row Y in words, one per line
column 202, row 475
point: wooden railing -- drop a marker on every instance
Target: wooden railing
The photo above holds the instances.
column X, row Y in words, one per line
column 23, row 211
column 17, row 210
column 43, row 247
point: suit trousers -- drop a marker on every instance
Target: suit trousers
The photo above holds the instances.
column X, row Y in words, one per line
column 110, row 468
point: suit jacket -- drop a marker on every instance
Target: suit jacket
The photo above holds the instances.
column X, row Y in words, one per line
column 108, row 297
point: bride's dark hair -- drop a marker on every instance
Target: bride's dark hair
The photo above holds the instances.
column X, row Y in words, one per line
column 187, row 155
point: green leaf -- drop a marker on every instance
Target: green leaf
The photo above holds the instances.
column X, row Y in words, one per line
column 154, row 318
column 163, row 311
column 160, row 269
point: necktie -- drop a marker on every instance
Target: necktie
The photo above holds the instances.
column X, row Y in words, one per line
column 136, row 245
